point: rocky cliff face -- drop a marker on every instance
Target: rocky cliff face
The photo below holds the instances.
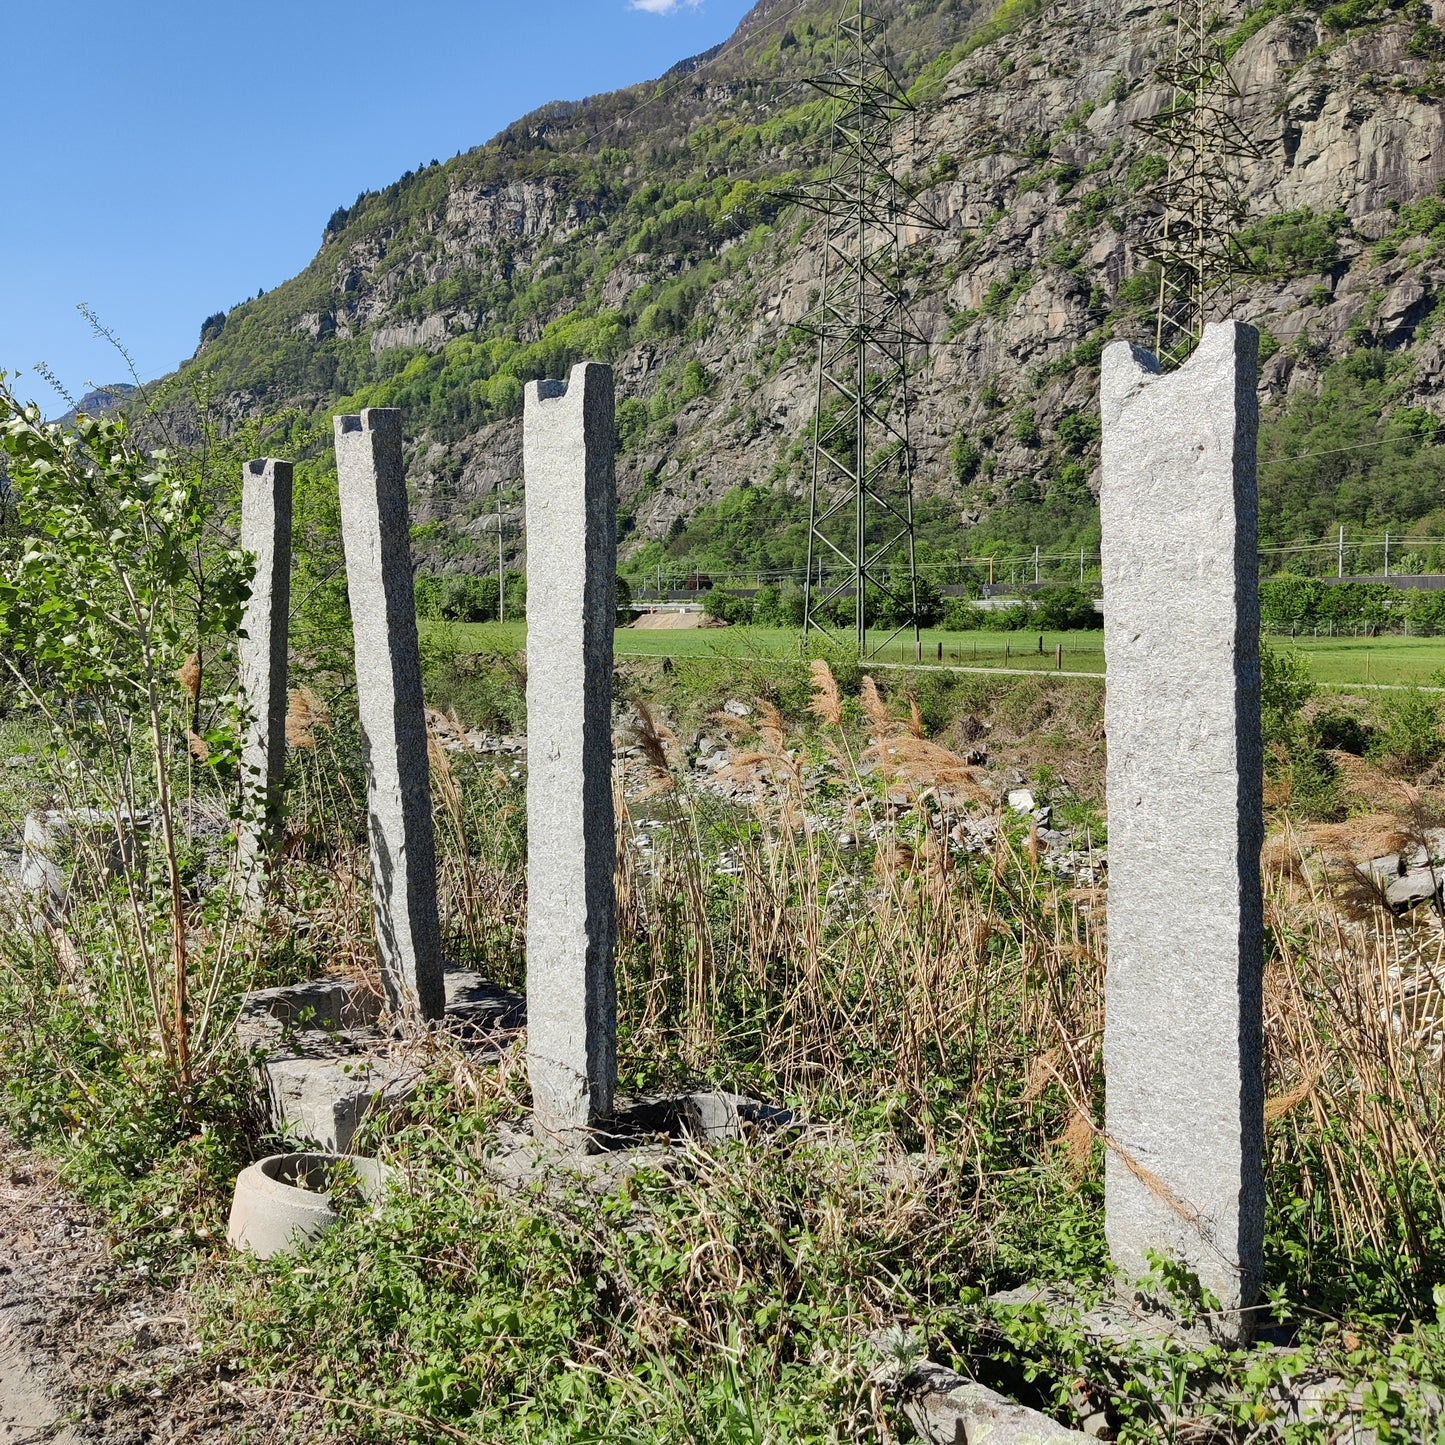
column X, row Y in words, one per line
column 1032, row 161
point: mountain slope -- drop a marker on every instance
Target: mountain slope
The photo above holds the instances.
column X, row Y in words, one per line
column 644, row 227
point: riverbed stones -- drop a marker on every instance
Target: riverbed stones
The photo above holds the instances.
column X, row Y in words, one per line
column 1183, row 1041
column 568, row 448
column 262, row 658
column 376, row 536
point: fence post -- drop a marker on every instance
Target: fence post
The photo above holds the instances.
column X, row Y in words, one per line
column 1183, row 1042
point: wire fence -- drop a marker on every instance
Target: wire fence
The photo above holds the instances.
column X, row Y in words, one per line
column 1386, row 556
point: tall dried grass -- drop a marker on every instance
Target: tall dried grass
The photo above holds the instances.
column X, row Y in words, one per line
column 937, row 976
column 829, row 944
column 836, row 983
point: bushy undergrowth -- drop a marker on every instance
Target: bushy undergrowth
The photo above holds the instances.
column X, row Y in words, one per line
column 937, row 1021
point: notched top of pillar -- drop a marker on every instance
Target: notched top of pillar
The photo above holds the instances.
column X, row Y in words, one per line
column 259, row 466
column 1125, row 369
column 373, row 419
column 589, row 380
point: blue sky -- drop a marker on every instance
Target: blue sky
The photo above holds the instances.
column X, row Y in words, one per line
column 167, row 158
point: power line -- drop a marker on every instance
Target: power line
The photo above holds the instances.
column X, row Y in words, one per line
column 860, row 497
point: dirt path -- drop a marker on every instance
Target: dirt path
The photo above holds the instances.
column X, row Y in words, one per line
column 90, row 1351
column 27, row 1413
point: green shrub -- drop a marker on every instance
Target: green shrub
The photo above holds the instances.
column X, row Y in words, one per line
column 1293, row 243
column 961, row 615
column 728, row 607
column 1065, row 609
column 964, row 457
column 1409, row 737
column 631, row 424
column 485, row 691
column 1285, row 688
column 1340, row 731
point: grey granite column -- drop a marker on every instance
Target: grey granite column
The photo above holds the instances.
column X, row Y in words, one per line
column 1183, row 1043
column 376, row 535
column 262, row 655
column 568, row 448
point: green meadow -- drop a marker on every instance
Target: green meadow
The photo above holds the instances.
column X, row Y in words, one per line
column 1333, row 661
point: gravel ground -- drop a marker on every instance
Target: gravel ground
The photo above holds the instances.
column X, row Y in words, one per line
column 87, row 1351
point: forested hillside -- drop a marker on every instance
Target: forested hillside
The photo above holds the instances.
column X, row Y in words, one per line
column 646, row 227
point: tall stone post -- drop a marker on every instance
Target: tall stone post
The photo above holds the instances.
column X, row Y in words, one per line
column 1183, row 1042
column 376, row 536
column 568, row 447
column 262, row 655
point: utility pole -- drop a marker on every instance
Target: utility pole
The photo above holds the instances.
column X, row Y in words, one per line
column 860, row 503
column 1197, row 206
column 1387, row 554
column 1081, row 566
column 501, row 570
column 1036, row 565
column 1341, row 569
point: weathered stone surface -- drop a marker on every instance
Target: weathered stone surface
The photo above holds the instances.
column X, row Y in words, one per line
column 569, row 443
column 1414, row 887
column 322, row 1092
column 946, row 1408
column 325, row 1066
column 375, row 533
column 1410, row 878
column 642, row 1133
column 717, row 1115
column 91, row 837
column 1183, row 1041
column 262, row 659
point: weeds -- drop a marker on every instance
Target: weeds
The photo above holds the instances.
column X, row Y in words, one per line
column 935, row 1015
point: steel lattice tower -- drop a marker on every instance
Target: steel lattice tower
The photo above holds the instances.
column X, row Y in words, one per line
column 860, row 511
column 1196, row 207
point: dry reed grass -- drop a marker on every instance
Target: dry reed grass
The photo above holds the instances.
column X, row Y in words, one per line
column 829, row 984
column 843, row 988
column 963, row 996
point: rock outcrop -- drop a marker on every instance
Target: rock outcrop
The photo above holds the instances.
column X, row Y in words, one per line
column 1028, row 153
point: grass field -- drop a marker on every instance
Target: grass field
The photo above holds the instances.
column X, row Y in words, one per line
column 1333, row 661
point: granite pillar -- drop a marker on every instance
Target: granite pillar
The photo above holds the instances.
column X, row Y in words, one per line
column 568, row 450
column 376, row 535
column 1183, row 1044
column 262, row 659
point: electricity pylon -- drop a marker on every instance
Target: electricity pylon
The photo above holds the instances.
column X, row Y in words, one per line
column 1197, row 207
column 860, row 506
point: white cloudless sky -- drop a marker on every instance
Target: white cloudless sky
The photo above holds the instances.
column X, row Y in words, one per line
column 166, row 159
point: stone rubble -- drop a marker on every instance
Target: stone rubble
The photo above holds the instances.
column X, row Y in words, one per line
column 1408, row 879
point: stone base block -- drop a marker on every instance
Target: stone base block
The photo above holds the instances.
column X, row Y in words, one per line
column 89, row 835
column 712, row 1115
column 1126, row 1319
column 324, row 1101
column 327, row 1063
column 641, row 1131
column 944, row 1408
